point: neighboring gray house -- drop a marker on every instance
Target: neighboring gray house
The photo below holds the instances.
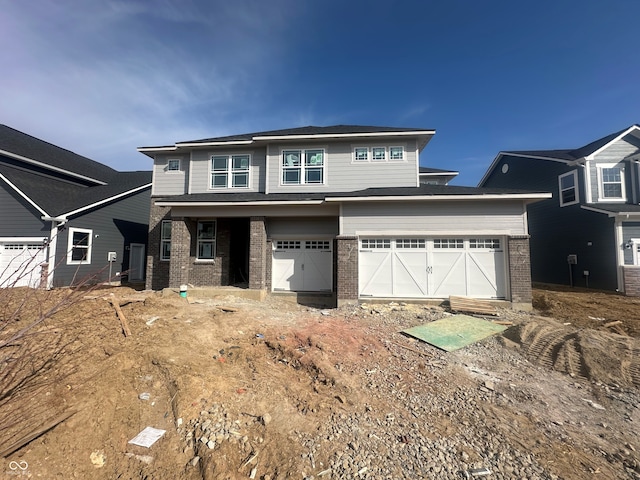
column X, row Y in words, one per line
column 588, row 233
column 435, row 176
column 68, row 213
column 336, row 209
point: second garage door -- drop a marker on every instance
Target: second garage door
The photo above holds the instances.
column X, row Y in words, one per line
column 302, row 265
column 20, row 263
column 432, row 267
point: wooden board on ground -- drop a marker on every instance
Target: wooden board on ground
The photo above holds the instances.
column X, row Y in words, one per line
column 471, row 305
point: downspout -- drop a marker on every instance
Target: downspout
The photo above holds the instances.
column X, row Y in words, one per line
column 52, row 243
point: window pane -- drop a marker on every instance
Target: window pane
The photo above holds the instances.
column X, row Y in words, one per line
column 173, row 165
column 219, row 180
column 378, row 153
column 567, row 181
column 291, row 175
column 166, row 230
column 166, row 250
column 81, row 238
column 205, row 250
column 206, row 230
column 314, row 157
column 612, row 190
column 362, row 154
column 568, row 196
column 241, row 162
column 313, row 175
column 219, row 163
column 396, row 153
column 79, row 254
column 611, row 174
column 240, row 180
column 291, row 158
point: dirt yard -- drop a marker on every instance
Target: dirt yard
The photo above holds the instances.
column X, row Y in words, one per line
column 273, row 389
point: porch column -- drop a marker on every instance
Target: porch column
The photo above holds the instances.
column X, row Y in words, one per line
column 520, row 272
column 347, row 269
column 180, row 250
column 257, row 253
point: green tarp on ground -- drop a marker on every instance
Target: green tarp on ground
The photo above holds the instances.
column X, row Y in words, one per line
column 454, row 332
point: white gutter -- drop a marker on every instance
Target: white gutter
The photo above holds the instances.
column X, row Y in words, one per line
column 236, row 204
column 50, row 167
column 214, row 144
column 23, row 195
column 107, row 200
column 397, row 198
column 345, row 135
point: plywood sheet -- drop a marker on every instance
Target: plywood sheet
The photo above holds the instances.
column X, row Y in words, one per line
column 454, row 332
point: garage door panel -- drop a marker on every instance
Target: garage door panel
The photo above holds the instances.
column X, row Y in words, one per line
column 20, row 264
column 410, row 274
column 285, row 276
column 302, row 266
column 449, row 274
column 375, row 273
column 486, row 274
column 317, row 271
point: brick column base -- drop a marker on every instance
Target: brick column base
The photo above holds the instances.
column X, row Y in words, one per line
column 257, row 253
column 180, row 252
column 346, row 269
column 631, row 280
column 520, row 272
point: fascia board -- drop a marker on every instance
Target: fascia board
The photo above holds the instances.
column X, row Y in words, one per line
column 422, row 198
column 24, row 195
column 106, row 200
column 490, row 169
column 157, row 149
column 610, row 214
column 214, row 144
column 438, row 174
column 169, row 203
column 606, row 145
column 50, row 167
column 346, row 135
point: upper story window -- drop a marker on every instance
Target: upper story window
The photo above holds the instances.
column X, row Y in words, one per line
column 303, row 166
column 79, row 246
column 378, row 154
column 568, row 188
column 230, row 171
column 206, row 240
column 610, row 182
column 165, row 240
column 173, row 165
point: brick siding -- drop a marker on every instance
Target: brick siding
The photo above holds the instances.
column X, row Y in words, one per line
column 631, row 280
column 157, row 273
column 257, row 253
column 347, row 269
column 520, row 269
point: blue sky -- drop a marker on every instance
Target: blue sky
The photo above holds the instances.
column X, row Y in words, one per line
column 102, row 78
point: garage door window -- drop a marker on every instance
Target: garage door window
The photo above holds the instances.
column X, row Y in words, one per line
column 410, row 243
column 317, row 245
column 79, row 246
column 486, row 243
column 448, row 243
column 288, row 245
column 376, row 243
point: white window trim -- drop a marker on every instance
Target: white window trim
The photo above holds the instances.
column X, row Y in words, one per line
column 70, row 246
column 163, row 240
column 635, row 243
column 387, row 154
column 601, row 198
column 325, row 161
column 229, row 171
column 214, row 240
column 178, row 170
column 575, row 186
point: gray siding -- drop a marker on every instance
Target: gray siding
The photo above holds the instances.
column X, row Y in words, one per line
column 17, row 217
column 201, row 172
column 557, row 232
column 615, row 153
column 170, row 183
column 302, row 227
column 117, row 225
column 342, row 174
column 433, row 218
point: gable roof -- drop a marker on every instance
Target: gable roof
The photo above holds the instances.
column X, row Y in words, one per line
column 54, row 196
column 308, row 132
column 564, row 155
column 36, row 152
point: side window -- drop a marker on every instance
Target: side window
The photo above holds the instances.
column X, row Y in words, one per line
column 79, row 246
column 206, row 240
column 610, row 182
column 173, row 165
column 568, row 188
column 165, row 240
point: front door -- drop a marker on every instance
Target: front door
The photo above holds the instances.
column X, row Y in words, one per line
column 136, row 262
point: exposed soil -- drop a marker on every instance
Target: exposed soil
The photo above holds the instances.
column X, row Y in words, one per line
column 281, row 385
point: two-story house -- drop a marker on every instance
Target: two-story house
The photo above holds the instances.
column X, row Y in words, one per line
column 67, row 219
column 338, row 209
column 588, row 233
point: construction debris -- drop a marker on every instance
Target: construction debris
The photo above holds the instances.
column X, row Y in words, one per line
column 471, row 305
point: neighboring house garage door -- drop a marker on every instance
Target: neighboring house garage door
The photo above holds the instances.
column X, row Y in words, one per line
column 302, row 265
column 20, row 264
column 432, row 267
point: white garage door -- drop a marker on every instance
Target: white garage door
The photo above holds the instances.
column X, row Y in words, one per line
column 20, row 264
column 432, row 267
column 302, row 265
